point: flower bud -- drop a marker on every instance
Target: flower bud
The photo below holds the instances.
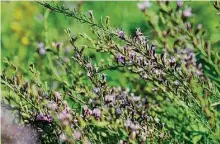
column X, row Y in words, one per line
column 121, row 35
column 187, row 12
column 97, row 113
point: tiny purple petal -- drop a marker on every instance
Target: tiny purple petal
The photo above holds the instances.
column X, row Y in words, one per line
column 187, row 12
column 42, row 51
column 179, row 3
column 121, row 34
column 97, row 113
column 58, row 95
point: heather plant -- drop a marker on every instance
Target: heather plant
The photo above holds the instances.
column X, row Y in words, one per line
column 177, row 68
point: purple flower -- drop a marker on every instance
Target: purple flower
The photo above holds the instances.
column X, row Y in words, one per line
column 187, row 12
column 121, row 35
column 40, row 117
column 42, row 51
column 65, row 115
column 77, row 135
column 120, row 59
column 58, row 95
column 49, row 118
column 179, row 3
column 86, row 111
column 144, row 5
column 41, row 47
column 118, row 111
column 97, row 113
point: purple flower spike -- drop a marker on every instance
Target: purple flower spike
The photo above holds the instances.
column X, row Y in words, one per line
column 40, row 117
column 120, row 59
column 49, row 118
column 77, row 135
column 58, row 95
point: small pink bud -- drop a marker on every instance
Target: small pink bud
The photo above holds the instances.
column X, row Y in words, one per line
column 187, row 12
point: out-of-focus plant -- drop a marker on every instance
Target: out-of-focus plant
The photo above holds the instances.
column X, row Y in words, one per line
column 183, row 98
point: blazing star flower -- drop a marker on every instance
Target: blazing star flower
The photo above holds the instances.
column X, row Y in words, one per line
column 49, row 118
column 97, row 113
column 120, row 59
column 187, row 12
column 179, row 3
column 58, row 95
column 41, row 47
column 40, row 117
column 42, row 51
column 77, row 135
column 86, row 111
column 121, row 34
column 118, row 111
column 144, row 5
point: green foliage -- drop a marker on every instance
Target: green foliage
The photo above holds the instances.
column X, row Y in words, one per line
column 109, row 84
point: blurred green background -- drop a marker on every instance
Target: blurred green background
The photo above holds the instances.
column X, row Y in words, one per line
column 24, row 26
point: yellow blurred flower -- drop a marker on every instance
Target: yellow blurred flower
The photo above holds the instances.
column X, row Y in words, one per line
column 24, row 40
column 18, row 14
column 15, row 26
column 30, row 7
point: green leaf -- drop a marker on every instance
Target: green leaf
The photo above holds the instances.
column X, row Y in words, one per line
column 196, row 139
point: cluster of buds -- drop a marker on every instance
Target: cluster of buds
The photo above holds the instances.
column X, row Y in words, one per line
column 41, row 47
column 88, row 112
column 44, row 118
column 120, row 59
column 65, row 116
column 121, row 35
